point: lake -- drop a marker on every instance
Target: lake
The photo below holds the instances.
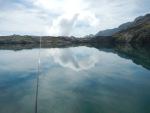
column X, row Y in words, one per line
column 82, row 79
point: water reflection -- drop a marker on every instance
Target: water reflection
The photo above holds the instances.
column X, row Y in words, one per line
column 75, row 58
column 17, row 81
column 111, row 82
column 76, row 80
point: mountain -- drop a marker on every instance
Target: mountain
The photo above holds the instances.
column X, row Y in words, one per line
column 108, row 32
column 137, row 32
column 111, row 32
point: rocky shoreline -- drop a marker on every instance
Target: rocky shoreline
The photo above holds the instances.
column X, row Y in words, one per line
column 17, row 39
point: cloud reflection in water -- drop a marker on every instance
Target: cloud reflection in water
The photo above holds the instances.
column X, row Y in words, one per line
column 75, row 58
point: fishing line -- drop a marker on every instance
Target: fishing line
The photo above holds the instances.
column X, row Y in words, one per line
column 37, row 79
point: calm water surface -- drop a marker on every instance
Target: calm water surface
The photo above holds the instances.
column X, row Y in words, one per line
column 73, row 80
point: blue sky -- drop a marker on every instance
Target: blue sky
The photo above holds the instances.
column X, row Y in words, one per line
column 67, row 17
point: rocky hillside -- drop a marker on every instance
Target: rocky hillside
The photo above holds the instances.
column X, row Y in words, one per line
column 17, row 39
column 51, row 40
column 139, row 32
column 111, row 32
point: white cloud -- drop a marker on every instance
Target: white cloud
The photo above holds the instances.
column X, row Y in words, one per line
column 59, row 17
column 62, row 25
column 22, row 21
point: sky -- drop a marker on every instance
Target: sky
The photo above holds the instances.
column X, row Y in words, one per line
column 67, row 17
